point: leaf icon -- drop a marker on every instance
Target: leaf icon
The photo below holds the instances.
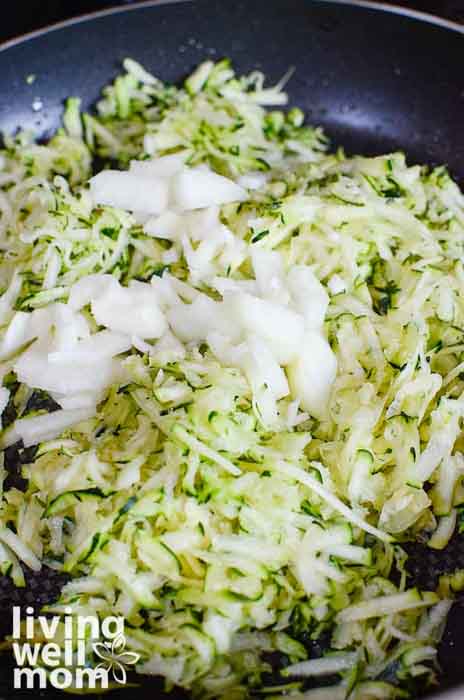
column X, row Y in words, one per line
column 101, row 650
column 128, row 658
column 119, row 673
column 115, row 658
column 118, row 645
column 102, row 666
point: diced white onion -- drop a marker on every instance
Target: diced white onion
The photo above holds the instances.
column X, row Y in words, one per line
column 127, row 190
column 48, row 426
column 196, row 188
column 165, row 166
column 282, row 328
column 309, row 296
column 132, row 310
column 196, row 320
column 312, row 373
column 168, row 226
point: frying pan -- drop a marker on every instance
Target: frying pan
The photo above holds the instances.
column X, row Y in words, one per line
column 377, row 78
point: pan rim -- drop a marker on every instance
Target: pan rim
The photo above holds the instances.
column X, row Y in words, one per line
column 425, row 17
column 454, row 693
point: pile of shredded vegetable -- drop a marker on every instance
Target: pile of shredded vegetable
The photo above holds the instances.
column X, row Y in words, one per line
column 254, row 352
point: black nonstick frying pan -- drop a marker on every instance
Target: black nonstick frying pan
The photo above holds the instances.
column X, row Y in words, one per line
column 375, row 77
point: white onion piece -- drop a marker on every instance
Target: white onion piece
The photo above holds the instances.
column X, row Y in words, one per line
column 183, row 289
column 227, row 284
column 171, row 256
column 252, row 181
column 68, row 328
column 85, row 399
column 309, row 296
column 228, row 354
column 200, row 259
column 50, row 425
column 129, row 191
column 168, row 226
column 281, row 328
column 89, row 288
column 17, row 333
column 168, row 349
column 263, row 370
column 133, row 310
column 202, row 222
column 141, row 345
column 33, row 369
column 312, row 374
column 165, row 166
column 141, row 217
column 166, row 294
column 196, row 188
column 4, row 398
column 9, row 297
column 336, row 284
column 100, row 346
column 25, row 327
column 193, row 322
column 268, row 266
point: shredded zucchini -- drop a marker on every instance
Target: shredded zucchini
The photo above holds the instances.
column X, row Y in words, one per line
column 255, row 350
